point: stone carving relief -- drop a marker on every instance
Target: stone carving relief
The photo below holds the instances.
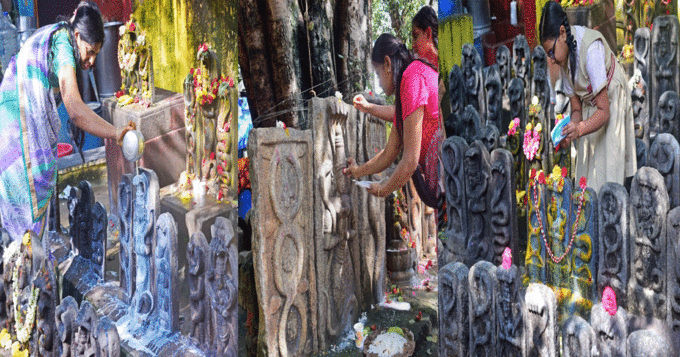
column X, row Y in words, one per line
column 664, row 155
column 473, row 76
column 540, row 322
column 504, row 60
column 222, row 287
column 84, row 339
column 614, row 237
column 611, row 331
column 453, row 156
column 668, row 113
column 127, row 258
column 471, row 126
column 489, row 136
column 642, row 50
column 578, row 338
column 98, row 237
column 477, row 168
column 673, row 268
column 483, row 335
column 107, row 338
column 665, row 72
column 494, row 96
column 649, row 343
column 540, row 87
column 641, row 151
column 197, row 256
column 503, row 220
column 639, row 95
column 454, row 300
column 65, row 318
column 510, row 323
column 521, row 60
column 165, row 269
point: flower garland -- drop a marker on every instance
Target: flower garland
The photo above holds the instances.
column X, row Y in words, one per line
column 540, row 178
column 134, row 55
column 512, row 128
column 532, row 139
column 243, row 174
column 205, row 91
column 25, row 327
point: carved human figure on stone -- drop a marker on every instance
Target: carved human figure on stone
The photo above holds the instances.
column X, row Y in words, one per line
column 665, row 53
column 482, row 280
column 494, row 96
column 668, row 113
column 107, row 337
column 473, row 76
column 197, row 258
column 489, row 137
column 125, row 208
column 578, row 338
column 504, row 60
column 143, row 229
column 454, row 310
column 649, row 205
column 222, row 277
column 65, row 317
column 642, row 44
column 85, row 343
column 611, row 330
column 477, row 172
column 540, row 321
column 46, row 335
column 521, row 60
column 190, row 124
column 509, row 313
column 640, row 102
column 516, row 97
column 471, row 125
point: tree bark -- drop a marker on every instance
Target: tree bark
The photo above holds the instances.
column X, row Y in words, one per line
column 320, row 38
column 352, row 44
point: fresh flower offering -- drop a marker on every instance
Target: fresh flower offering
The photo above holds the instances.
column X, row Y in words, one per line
column 512, row 128
column 135, row 62
column 532, row 140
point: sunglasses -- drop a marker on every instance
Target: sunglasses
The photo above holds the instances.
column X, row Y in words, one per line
column 551, row 53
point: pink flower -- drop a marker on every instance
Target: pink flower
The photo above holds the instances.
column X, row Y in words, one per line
column 583, row 183
column 609, row 301
column 507, row 258
column 513, row 127
column 541, row 177
column 564, row 172
column 132, row 27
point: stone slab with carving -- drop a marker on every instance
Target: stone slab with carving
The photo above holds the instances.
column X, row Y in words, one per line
column 477, row 168
column 510, row 322
column 640, row 97
column 521, row 62
column 642, row 51
column 665, row 73
column 614, row 239
column 648, row 208
column 126, row 257
column 504, row 229
column 483, row 334
column 166, row 273
column 281, row 171
column 494, row 95
column 540, row 323
column 649, row 343
column 664, row 155
column 454, row 309
column 611, row 330
column 504, row 60
column 452, row 246
column 673, row 268
column 473, row 75
column 578, row 338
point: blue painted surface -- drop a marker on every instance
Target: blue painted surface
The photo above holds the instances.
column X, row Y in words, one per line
column 25, row 7
column 244, row 203
column 245, row 124
column 448, row 8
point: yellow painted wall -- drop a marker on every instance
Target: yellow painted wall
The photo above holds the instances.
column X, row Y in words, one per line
column 175, row 29
column 453, row 34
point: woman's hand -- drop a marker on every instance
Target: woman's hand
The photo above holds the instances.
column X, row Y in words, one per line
column 351, row 169
column 572, row 131
column 361, row 103
column 378, row 190
column 120, row 132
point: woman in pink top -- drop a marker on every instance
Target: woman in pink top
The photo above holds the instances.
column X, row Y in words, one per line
column 415, row 129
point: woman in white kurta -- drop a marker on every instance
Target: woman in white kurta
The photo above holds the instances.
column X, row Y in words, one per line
column 601, row 124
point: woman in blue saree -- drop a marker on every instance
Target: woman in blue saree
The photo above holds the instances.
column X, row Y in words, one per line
column 39, row 78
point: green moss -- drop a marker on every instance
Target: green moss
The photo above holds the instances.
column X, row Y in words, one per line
column 175, row 29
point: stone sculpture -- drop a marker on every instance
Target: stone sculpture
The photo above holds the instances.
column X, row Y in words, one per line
column 107, row 338
column 471, row 126
column 127, row 258
column 451, row 248
column 673, row 268
column 540, row 87
column 639, row 95
column 540, row 324
column 454, row 305
column 650, row 344
column 45, row 339
column 489, row 137
column 98, row 237
column 135, row 59
column 664, row 155
column 642, row 50
column 641, row 150
column 457, row 92
column 578, row 338
column 477, row 168
column 667, row 114
column 190, row 127
column 516, row 97
column 510, row 323
column 166, row 270
column 611, row 330
column 197, row 256
column 665, row 72
column 84, row 339
column 81, row 200
column 483, row 335
column 144, row 222
column 473, row 76
column 222, row 287
column 65, row 317
column 494, row 96
column 502, row 203
column 521, row 60
column 504, row 60
column 614, row 237
column 647, row 283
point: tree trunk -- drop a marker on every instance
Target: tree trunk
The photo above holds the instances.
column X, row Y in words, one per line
column 352, row 44
column 319, row 30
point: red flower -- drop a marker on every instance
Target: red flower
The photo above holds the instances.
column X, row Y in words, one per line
column 119, row 94
column 231, row 82
column 220, row 170
column 583, row 183
column 133, row 27
column 191, row 71
column 212, row 155
column 136, row 99
column 219, row 195
column 541, row 177
column 564, row 172
column 374, row 327
column 419, row 316
column 532, row 173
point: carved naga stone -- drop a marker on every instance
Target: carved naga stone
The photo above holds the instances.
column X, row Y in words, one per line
column 473, row 76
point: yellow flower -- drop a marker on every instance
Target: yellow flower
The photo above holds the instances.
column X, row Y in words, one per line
column 556, row 172
column 520, row 196
column 27, row 239
column 17, row 351
column 529, row 127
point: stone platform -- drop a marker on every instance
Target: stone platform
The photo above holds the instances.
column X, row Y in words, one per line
column 164, row 148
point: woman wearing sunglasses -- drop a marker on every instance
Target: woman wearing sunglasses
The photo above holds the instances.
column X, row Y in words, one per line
column 601, row 124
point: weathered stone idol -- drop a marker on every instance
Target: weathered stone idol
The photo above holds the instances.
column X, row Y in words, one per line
column 540, row 87
column 516, row 97
column 510, row 323
column 642, row 50
column 457, row 90
column 673, row 268
column 614, row 237
column 127, row 258
column 611, row 330
column 664, row 155
column 641, row 151
column 647, row 283
column 281, row 168
column 650, row 344
column 454, row 305
column 471, row 126
column 665, row 72
column 540, row 324
column 483, row 335
column 65, row 318
column 521, row 60
column 503, row 220
column 86, row 323
column 451, row 248
column 489, row 137
column 98, row 237
column 473, row 76
column 197, row 256
column 639, row 95
column 80, row 202
column 222, row 288
column 578, row 338
column 668, row 113
column 494, row 96
column 107, row 338
column 166, row 278
column 504, row 60
column 477, row 168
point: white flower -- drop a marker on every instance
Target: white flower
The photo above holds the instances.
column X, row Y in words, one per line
column 534, row 100
column 121, row 30
column 338, row 95
column 279, row 124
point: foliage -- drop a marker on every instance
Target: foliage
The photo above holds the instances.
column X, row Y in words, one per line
column 394, row 16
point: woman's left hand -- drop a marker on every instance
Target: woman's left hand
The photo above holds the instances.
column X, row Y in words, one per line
column 377, row 190
column 572, row 131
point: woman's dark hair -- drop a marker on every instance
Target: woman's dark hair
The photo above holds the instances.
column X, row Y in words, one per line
column 427, row 18
column 400, row 56
column 552, row 17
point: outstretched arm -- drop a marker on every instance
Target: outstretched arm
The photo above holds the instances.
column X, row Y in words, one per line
column 384, row 112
